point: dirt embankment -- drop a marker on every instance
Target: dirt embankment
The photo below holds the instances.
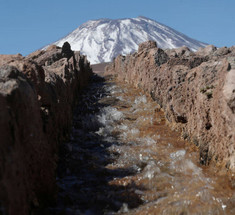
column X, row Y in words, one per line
column 37, row 95
column 195, row 90
column 99, row 68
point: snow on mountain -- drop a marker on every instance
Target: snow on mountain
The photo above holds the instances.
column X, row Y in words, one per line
column 102, row 40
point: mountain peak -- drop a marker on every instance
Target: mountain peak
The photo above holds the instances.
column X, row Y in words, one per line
column 143, row 17
column 103, row 39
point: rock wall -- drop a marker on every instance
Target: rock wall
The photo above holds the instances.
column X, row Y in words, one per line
column 195, row 90
column 37, row 95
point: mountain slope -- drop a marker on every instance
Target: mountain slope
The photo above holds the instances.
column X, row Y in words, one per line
column 102, row 40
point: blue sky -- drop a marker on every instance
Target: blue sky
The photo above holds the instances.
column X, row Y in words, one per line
column 27, row 25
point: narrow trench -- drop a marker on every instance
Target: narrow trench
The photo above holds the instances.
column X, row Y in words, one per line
column 122, row 158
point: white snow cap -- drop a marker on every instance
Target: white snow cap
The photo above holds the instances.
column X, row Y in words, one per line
column 102, row 40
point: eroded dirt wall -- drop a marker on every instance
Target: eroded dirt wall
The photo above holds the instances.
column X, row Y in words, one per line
column 196, row 90
column 37, row 95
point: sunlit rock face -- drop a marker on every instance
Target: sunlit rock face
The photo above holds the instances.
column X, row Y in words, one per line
column 196, row 91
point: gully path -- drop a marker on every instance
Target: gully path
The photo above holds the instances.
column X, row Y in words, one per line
column 124, row 159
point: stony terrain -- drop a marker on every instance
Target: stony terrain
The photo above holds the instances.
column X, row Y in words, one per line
column 122, row 158
column 37, row 95
column 196, row 90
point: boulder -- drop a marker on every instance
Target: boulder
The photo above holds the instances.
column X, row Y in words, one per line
column 8, row 58
column 208, row 50
column 147, row 45
column 66, row 50
column 222, row 51
column 183, row 51
column 160, row 57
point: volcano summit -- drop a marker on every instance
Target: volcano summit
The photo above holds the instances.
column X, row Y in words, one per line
column 102, row 40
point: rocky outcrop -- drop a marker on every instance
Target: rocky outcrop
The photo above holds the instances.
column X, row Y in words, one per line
column 147, row 45
column 195, row 90
column 37, row 95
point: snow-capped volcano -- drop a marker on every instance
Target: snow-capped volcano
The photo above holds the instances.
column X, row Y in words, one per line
column 102, row 40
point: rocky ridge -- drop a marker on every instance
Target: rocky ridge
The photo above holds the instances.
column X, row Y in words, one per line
column 195, row 90
column 37, row 95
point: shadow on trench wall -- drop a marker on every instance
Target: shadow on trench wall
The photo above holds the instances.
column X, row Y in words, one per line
column 83, row 179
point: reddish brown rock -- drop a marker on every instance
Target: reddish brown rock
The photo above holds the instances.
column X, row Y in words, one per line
column 45, row 58
column 147, row 45
column 196, row 92
column 31, row 70
column 37, row 95
column 27, row 169
column 232, row 50
column 208, row 50
column 179, row 52
column 8, row 58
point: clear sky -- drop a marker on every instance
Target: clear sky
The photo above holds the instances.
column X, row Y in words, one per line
column 27, row 25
